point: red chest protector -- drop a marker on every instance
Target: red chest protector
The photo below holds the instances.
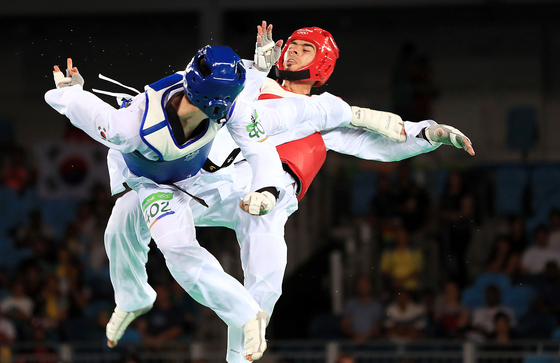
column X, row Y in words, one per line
column 303, row 157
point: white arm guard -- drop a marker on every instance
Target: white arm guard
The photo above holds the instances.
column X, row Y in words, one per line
column 443, row 134
column 266, row 53
column 259, row 203
column 386, row 124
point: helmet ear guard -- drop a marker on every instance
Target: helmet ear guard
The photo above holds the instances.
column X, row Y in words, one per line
column 322, row 66
column 213, row 79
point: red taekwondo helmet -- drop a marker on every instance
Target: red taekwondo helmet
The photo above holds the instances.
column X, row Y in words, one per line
column 322, row 66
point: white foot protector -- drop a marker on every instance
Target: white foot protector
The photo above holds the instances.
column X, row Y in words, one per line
column 255, row 342
column 120, row 320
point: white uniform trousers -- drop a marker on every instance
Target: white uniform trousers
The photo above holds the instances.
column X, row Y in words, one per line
column 168, row 219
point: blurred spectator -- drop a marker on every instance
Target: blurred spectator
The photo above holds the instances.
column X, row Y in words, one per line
column 78, row 294
column 503, row 329
column 63, row 266
column 548, row 289
column 503, row 259
column 405, row 319
column 517, row 234
column 8, row 332
column 35, row 229
column 402, row 265
column 412, row 201
column 16, row 174
column 18, row 305
column 189, row 307
column 160, row 325
column 535, row 258
column 97, row 264
column 90, row 235
column 455, row 214
column 554, row 219
column 52, row 305
column 362, row 316
column 345, row 358
column 72, row 240
column 451, row 317
column 483, row 318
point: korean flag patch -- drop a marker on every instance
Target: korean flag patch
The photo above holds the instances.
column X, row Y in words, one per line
column 102, row 131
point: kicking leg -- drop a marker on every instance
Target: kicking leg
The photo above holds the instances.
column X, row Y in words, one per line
column 171, row 224
column 126, row 243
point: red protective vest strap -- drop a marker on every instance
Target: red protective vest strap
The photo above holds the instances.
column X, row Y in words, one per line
column 304, row 157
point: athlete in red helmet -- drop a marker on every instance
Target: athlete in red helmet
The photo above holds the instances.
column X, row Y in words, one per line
column 309, row 57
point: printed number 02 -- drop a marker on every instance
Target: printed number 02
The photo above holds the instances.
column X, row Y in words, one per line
column 152, row 212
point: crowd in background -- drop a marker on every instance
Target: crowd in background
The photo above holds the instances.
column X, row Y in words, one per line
column 55, row 286
column 515, row 293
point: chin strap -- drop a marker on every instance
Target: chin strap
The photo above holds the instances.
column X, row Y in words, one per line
column 292, row 75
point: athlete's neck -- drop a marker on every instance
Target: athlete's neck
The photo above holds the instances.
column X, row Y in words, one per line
column 299, row 87
column 189, row 115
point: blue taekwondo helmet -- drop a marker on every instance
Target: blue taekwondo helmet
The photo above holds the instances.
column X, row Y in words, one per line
column 213, row 79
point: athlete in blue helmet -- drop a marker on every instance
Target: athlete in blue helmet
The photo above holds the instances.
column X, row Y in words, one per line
column 161, row 138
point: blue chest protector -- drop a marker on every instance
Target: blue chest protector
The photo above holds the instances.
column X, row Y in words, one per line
column 176, row 162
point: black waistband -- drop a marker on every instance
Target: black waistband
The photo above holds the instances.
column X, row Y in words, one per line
column 210, row 167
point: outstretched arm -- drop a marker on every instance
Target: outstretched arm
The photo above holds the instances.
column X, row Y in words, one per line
column 117, row 129
column 293, row 118
column 372, row 146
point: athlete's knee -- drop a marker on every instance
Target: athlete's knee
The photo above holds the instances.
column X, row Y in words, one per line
column 177, row 242
column 123, row 219
column 126, row 207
